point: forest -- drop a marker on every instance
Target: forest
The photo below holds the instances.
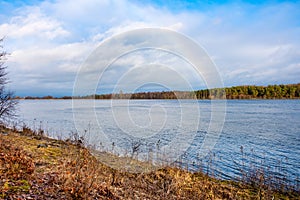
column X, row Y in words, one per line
column 288, row 91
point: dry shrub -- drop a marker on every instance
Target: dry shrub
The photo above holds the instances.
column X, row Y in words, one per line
column 14, row 162
column 16, row 168
column 81, row 177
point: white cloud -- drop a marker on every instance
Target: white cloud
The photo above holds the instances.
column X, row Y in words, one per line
column 50, row 40
column 51, row 69
column 33, row 25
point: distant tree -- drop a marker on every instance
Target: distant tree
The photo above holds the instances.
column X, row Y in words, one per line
column 47, row 97
column 7, row 101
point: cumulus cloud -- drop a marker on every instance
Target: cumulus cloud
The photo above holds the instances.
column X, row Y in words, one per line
column 48, row 41
column 33, row 25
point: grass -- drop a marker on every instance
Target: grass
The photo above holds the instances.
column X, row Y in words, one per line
column 36, row 167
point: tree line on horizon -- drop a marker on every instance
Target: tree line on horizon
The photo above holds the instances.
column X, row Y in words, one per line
column 288, row 91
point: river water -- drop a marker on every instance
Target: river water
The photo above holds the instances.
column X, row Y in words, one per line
column 256, row 135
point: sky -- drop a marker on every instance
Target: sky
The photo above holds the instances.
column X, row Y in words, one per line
column 250, row 42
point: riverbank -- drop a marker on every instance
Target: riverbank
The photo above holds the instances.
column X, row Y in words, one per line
column 36, row 167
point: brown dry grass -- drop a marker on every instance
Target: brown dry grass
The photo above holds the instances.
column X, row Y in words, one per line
column 64, row 170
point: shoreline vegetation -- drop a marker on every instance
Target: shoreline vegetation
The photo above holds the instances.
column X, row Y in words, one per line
column 288, row 91
column 34, row 166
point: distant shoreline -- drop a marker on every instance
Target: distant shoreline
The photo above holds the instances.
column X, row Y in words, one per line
column 245, row 92
column 57, row 99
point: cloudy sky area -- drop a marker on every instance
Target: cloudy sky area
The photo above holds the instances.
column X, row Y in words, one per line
column 250, row 42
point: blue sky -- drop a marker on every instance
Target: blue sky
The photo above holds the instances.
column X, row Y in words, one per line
column 251, row 42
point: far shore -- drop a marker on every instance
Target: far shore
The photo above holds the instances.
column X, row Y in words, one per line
column 248, row 92
column 58, row 98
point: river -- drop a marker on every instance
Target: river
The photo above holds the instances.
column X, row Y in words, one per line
column 255, row 136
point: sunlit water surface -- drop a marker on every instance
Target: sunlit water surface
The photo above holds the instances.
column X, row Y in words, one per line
column 257, row 134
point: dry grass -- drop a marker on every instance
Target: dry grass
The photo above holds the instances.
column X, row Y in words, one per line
column 36, row 167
